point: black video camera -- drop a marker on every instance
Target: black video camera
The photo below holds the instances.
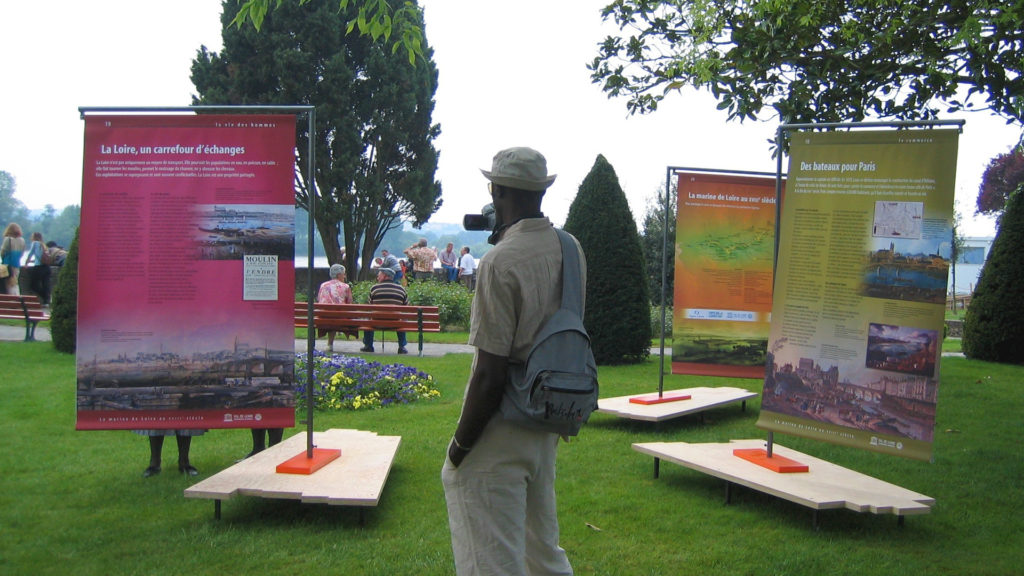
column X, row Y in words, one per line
column 482, row 221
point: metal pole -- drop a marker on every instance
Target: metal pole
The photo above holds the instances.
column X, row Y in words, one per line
column 775, row 252
column 664, row 280
column 310, row 330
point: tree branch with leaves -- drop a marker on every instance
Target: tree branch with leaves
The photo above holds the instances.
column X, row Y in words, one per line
column 375, row 18
column 819, row 60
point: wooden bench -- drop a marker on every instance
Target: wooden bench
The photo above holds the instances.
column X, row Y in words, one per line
column 362, row 317
column 27, row 308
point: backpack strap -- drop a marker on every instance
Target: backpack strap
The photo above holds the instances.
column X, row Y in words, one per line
column 572, row 295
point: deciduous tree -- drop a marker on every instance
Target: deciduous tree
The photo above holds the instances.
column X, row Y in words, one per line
column 379, row 19
column 819, row 60
column 1003, row 175
column 11, row 209
column 375, row 160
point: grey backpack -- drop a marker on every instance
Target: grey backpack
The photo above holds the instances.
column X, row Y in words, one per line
column 556, row 389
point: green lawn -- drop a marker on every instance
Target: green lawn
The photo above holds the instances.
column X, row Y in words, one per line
column 75, row 502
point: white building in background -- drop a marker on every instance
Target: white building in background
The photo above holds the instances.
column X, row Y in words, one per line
column 969, row 264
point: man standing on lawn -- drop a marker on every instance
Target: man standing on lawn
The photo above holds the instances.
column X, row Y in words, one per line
column 422, row 260
column 499, row 477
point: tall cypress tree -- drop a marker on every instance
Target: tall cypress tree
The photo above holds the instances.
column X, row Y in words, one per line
column 994, row 324
column 618, row 302
column 64, row 308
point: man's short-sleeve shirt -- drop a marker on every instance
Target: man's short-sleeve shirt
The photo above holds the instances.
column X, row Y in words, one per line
column 422, row 258
column 467, row 265
column 518, row 288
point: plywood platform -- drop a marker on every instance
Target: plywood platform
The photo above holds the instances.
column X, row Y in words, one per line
column 355, row 479
column 701, row 398
column 824, row 486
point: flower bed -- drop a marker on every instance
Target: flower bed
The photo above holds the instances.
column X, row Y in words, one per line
column 352, row 383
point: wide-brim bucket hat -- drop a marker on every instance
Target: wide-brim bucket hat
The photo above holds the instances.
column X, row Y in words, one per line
column 520, row 167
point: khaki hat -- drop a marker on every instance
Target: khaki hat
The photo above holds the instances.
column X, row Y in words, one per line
column 522, row 168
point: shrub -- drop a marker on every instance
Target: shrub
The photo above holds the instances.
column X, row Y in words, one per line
column 994, row 323
column 352, row 383
column 64, row 307
column 618, row 304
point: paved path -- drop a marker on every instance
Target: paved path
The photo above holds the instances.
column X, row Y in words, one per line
column 18, row 332
column 388, row 347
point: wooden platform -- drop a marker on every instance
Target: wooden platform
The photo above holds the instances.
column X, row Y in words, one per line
column 824, row 486
column 701, row 399
column 355, row 479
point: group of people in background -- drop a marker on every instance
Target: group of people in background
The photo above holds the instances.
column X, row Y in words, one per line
column 458, row 267
column 36, row 256
column 392, row 277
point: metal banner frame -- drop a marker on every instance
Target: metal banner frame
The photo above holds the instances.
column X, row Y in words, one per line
column 780, row 140
column 310, row 112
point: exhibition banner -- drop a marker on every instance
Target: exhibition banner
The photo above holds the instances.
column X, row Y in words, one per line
column 724, row 245
column 186, row 276
column 858, row 311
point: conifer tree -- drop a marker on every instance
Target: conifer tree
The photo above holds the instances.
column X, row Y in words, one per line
column 64, row 308
column 994, row 324
column 618, row 303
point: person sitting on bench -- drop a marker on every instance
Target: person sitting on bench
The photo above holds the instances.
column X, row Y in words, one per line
column 385, row 291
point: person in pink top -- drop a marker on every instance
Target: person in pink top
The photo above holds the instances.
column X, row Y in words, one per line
column 334, row 291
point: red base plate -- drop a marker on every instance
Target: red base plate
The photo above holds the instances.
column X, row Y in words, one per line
column 301, row 464
column 655, row 399
column 776, row 463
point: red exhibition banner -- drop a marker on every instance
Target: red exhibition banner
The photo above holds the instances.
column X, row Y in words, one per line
column 186, row 272
column 725, row 239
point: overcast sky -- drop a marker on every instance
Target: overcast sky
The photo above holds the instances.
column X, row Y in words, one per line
column 510, row 74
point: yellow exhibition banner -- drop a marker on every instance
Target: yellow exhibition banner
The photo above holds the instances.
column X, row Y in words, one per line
column 858, row 309
column 725, row 238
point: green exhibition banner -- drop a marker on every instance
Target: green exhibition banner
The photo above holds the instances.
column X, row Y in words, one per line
column 860, row 287
column 725, row 239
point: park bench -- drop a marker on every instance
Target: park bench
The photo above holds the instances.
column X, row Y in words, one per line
column 378, row 317
column 27, row 308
